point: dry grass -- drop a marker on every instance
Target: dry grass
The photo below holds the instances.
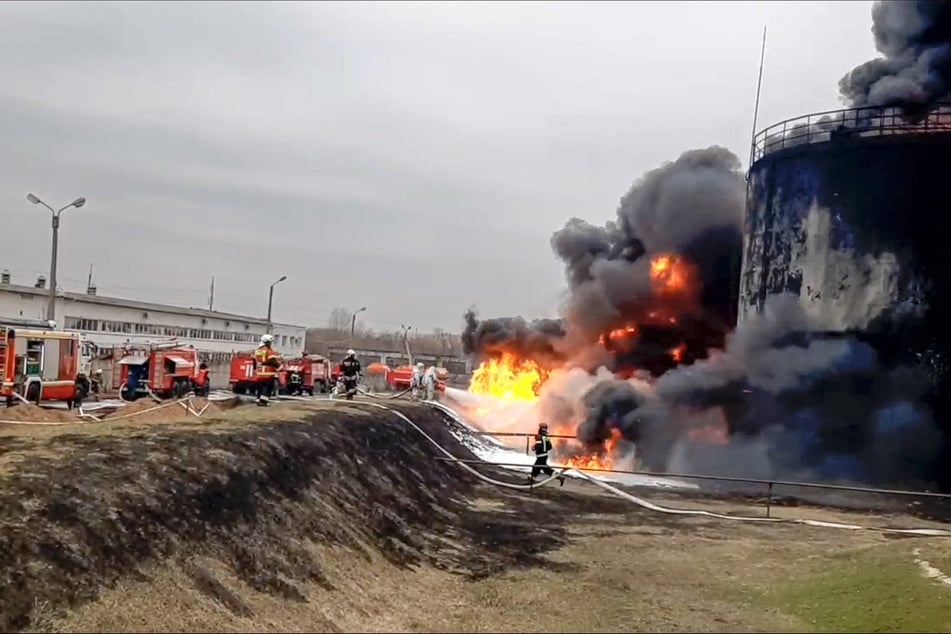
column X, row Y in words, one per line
column 617, row 571
column 330, row 517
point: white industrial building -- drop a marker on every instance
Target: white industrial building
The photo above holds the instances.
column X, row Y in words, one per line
column 108, row 322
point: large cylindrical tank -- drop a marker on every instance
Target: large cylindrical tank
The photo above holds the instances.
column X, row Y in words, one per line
column 848, row 210
column 852, row 220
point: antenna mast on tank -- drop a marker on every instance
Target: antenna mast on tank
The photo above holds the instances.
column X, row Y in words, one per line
column 738, row 262
column 759, row 88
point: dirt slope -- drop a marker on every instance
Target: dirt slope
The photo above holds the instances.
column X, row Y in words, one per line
column 337, row 518
column 78, row 512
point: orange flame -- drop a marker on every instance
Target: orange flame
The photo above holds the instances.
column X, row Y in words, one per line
column 603, row 460
column 508, row 377
column 670, row 274
column 619, row 333
column 678, row 352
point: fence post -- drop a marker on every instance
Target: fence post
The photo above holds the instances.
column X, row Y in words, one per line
column 769, row 498
column 527, row 452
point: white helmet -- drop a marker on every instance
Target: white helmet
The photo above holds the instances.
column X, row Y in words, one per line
column 350, row 352
column 267, row 339
column 420, row 365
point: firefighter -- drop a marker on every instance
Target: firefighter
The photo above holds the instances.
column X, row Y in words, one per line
column 266, row 362
column 417, row 382
column 95, row 383
column 350, row 368
column 429, row 383
column 542, row 448
column 295, row 383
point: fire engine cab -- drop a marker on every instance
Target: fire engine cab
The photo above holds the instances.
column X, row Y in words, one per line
column 166, row 370
column 39, row 363
column 305, row 375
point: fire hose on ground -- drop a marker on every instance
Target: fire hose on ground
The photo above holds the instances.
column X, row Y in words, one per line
column 385, row 396
column 186, row 403
column 927, row 532
column 85, row 418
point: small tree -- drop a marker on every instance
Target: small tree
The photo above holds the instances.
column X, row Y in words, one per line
column 340, row 319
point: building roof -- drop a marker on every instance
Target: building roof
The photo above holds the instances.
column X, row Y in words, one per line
column 135, row 304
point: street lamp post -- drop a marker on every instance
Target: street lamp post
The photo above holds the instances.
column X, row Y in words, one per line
column 353, row 322
column 79, row 202
column 270, row 301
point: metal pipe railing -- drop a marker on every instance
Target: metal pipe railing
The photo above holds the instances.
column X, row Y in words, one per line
column 770, row 482
column 865, row 121
column 687, row 476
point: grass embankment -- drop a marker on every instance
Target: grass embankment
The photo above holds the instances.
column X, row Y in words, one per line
column 875, row 590
column 335, row 517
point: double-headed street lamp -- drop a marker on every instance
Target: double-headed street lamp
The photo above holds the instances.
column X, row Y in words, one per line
column 353, row 321
column 270, row 301
column 79, row 202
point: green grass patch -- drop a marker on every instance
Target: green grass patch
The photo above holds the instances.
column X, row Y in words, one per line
column 879, row 590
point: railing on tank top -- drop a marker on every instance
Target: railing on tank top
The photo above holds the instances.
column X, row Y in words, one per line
column 867, row 121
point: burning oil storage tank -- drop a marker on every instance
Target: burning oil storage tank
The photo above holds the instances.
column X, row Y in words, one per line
column 848, row 211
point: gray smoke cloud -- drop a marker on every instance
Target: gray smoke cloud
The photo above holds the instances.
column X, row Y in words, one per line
column 914, row 38
column 795, row 403
column 670, row 209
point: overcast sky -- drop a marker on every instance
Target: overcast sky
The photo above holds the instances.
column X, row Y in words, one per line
column 413, row 158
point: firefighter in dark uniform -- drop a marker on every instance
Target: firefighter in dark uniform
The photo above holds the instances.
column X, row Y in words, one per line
column 350, row 368
column 543, row 448
column 295, row 383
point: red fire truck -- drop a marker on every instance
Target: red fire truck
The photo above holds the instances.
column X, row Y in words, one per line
column 38, row 363
column 305, row 375
column 165, row 370
column 242, row 373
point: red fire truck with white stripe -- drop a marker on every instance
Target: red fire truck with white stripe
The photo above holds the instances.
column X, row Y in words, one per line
column 39, row 363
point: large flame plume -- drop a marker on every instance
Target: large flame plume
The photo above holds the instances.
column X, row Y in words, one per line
column 508, row 377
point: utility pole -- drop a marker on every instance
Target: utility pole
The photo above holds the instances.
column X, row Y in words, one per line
column 79, row 202
column 89, row 279
column 211, row 295
column 406, row 329
column 353, row 322
column 270, row 301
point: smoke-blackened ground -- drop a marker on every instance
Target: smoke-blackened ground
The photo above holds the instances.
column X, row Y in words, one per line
column 339, row 517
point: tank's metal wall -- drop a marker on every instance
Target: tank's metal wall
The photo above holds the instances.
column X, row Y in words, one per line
column 854, row 227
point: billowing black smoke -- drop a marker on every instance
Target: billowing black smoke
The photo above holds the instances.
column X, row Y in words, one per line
column 795, row 402
column 692, row 207
column 537, row 340
column 914, row 38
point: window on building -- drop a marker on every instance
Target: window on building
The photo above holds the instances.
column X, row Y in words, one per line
column 81, row 323
column 129, row 327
